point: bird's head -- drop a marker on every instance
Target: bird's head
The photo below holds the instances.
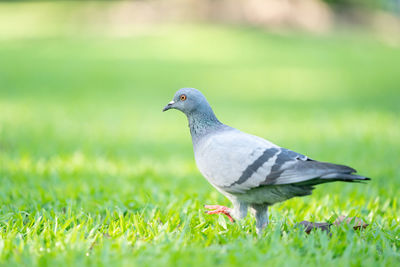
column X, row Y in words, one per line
column 188, row 100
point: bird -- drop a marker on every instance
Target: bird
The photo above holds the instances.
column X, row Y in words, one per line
column 252, row 172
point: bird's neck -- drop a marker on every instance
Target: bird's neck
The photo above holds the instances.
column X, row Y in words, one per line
column 202, row 123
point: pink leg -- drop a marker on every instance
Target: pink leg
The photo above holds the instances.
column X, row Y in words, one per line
column 217, row 209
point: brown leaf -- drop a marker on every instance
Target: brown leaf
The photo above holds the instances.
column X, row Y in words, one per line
column 311, row 225
column 357, row 222
column 325, row 226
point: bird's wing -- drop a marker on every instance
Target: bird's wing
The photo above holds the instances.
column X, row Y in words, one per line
column 236, row 162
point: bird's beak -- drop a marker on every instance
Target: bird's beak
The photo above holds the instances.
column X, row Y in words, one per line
column 168, row 106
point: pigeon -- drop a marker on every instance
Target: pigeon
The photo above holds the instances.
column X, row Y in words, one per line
column 250, row 171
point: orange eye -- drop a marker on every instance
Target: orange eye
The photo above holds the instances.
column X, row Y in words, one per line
column 182, row 97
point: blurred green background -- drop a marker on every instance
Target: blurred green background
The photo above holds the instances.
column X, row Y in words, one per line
column 93, row 173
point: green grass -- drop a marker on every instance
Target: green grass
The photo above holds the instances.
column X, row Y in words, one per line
column 93, row 173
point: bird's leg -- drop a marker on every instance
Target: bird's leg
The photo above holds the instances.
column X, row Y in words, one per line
column 217, row 209
column 260, row 211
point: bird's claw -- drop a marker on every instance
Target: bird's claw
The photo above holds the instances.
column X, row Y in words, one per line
column 217, row 209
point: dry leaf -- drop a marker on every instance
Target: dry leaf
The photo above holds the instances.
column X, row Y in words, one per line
column 310, row 226
column 325, row 226
column 357, row 222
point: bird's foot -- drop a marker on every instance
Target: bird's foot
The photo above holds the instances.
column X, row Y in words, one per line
column 217, row 209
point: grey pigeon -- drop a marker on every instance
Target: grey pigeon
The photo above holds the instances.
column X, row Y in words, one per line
column 248, row 170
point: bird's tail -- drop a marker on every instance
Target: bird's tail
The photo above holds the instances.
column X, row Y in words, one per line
column 336, row 177
column 344, row 177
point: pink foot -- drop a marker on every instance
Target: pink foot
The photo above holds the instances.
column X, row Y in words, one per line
column 219, row 209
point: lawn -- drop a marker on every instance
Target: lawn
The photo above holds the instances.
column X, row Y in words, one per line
column 93, row 173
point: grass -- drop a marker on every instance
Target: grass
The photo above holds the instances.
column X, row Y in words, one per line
column 93, row 173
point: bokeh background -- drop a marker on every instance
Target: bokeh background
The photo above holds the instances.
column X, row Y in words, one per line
column 93, row 173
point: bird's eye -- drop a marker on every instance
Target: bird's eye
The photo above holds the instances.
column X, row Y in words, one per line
column 182, row 97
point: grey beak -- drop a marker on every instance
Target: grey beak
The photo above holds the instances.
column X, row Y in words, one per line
column 168, row 106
